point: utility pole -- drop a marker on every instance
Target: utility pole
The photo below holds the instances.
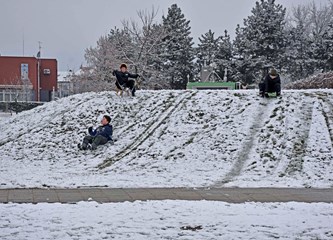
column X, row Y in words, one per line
column 23, row 41
column 38, row 63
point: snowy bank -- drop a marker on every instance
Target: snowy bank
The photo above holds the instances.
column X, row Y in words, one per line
column 166, row 220
column 174, row 139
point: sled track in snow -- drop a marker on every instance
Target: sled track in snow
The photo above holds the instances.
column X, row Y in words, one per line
column 148, row 132
column 153, row 111
column 294, row 163
column 246, row 146
column 328, row 115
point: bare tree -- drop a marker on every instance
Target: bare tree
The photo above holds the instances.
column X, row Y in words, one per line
column 314, row 19
column 101, row 58
column 147, row 38
column 300, row 16
column 137, row 44
column 86, row 81
column 320, row 18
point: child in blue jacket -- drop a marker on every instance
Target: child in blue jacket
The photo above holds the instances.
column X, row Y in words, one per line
column 98, row 136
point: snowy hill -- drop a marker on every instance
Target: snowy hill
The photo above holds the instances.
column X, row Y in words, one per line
column 174, row 139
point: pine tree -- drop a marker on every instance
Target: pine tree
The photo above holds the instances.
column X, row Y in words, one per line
column 241, row 61
column 328, row 44
column 299, row 61
column 262, row 43
column 207, row 48
column 224, row 56
column 178, row 53
column 206, row 52
column 324, row 49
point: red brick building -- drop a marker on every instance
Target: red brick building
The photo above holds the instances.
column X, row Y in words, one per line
column 19, row 78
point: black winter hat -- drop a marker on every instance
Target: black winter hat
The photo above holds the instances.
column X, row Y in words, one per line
column 107, row 117
column 123, row 65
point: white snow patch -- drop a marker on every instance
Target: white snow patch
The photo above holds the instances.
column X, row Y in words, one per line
column 166, row 220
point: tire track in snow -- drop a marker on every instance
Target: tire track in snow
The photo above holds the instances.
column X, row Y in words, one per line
column 148, row 132
column 247, row 145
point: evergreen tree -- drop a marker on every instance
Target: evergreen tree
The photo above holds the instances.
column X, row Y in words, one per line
column 178, row 53
column 324, row 49
column 207, row 48
column 241, row 61
column 206, row 52
column 224, row 56
column 262, row 41
column 328, row 45
column 299, row 61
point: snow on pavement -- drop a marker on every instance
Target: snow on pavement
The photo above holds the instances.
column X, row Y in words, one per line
column 166, row 220
column 174, row 139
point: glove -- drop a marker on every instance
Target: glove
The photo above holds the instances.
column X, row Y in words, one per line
column 90, row 129
column 114, row 72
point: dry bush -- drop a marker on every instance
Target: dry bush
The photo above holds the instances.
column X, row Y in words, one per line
column 322, row 80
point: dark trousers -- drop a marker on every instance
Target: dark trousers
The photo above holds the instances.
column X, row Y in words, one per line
column 267, row 87
column 94, row 141
column 130, row 84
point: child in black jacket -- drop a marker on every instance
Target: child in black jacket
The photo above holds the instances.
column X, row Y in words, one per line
column 122, row 79
column 271, row 83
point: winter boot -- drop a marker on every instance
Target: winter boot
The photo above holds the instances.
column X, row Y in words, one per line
column 82, row 146
column 93, row 146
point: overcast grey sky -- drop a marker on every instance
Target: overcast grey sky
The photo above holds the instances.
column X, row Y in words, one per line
column 67, row 27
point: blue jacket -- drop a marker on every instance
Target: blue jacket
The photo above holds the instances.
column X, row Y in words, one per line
column 105, row 131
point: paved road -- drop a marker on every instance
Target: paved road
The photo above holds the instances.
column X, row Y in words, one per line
column 231, row 195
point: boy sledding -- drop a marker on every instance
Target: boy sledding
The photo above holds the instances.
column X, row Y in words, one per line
column 270, row 84
column 99, row 136
column 123, row 82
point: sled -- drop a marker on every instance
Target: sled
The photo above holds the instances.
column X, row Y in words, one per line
column 272, row 95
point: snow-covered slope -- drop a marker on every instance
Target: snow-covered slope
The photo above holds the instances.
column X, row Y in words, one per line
column 174, row 139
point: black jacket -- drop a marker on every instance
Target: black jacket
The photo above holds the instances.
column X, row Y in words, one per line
column 122, row 77
column 272, row 83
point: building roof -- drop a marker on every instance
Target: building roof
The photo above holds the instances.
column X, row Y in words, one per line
column 64, row 76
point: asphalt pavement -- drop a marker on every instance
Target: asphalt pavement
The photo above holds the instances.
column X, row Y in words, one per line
column 106, row 195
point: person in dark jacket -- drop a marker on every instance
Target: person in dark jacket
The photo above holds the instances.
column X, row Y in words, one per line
column 122, row 79
column 99, row 136
column 271, row 83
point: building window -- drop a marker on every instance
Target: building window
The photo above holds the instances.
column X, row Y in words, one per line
column 11, row 95
column 7, row 97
